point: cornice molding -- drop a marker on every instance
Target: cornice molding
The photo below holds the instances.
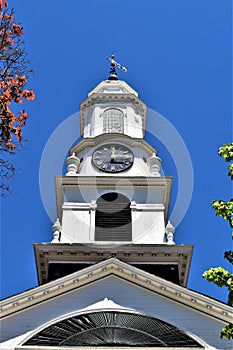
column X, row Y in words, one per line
column 112, row 137
column 130, row 253
column 106, row 182
column 122, row 270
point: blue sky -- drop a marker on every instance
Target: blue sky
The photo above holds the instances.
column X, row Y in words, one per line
column 178, row 55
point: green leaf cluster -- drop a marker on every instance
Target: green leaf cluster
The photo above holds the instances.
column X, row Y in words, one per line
column 224, row 209
column 222, row 278
column 226, row 151
column 218, row 275
column 226, row 332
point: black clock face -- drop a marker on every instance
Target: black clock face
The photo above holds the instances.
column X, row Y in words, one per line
column 112, row 158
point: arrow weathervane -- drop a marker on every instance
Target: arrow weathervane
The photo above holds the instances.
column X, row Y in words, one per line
column 113, row 73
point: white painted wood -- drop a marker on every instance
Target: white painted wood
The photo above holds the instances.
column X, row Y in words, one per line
column 125, row 294
column 78, row 221
column 113, row 94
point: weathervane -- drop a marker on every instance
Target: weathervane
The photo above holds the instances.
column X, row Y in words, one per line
column 113, row 73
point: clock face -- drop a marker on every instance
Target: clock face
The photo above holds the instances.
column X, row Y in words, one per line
column 112, row 158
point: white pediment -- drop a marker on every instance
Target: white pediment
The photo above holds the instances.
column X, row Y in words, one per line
column 123, row 270
column 126, row 288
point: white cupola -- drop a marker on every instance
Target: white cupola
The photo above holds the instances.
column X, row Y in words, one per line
column 113, row 107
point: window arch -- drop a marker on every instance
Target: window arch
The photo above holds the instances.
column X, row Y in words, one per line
column 113, row 218
column 113, row 121
column 112, row 328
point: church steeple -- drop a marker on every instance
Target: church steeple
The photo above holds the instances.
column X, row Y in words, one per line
column 113, row 200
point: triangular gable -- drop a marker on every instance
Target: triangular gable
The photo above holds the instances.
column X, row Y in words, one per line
column 113, row 266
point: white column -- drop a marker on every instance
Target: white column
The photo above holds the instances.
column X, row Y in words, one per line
column 93, row 207
column 133, row 217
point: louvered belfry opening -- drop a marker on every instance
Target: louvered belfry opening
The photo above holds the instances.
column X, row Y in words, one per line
column 113, row 218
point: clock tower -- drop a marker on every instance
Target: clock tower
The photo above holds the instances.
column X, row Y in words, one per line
column 112, row 275
column 113, row 200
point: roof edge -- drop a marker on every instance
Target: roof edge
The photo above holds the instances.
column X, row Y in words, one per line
column 113, row 266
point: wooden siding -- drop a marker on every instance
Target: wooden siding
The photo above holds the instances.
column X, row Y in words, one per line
column 125, row 294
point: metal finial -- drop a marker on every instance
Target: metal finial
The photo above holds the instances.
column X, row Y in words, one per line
column 113, row 73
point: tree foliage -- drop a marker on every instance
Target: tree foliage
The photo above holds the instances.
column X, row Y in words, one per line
column 218, row 275
column 14, row 73
column 222, row 278
column 226, row 151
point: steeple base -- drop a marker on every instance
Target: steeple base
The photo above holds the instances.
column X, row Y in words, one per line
column 169, row 262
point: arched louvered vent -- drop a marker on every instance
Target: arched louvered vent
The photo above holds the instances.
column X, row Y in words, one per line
column 113, row 218
column 112, row 328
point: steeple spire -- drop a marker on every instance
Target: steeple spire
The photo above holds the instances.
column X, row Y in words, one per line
column 112, row 72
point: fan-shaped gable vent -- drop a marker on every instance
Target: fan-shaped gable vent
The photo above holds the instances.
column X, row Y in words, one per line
column 112, row 328
column 113, row 218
